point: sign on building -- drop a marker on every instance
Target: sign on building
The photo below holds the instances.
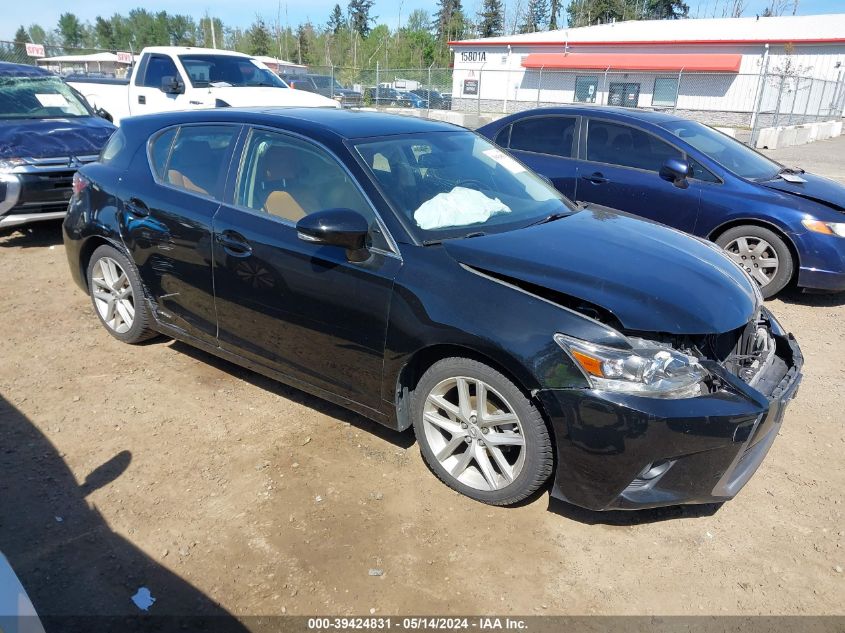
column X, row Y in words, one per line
column 35, row 50
column 124, row 58
column 470, row 86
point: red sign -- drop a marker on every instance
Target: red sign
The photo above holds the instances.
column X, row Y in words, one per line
column 35, row 50
column 124, row 58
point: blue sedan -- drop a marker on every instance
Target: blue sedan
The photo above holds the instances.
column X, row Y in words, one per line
column 781, row 224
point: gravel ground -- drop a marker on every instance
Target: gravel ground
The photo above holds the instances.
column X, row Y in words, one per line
column 221, row 491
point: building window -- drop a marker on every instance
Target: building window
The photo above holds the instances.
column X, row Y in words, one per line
column 586, row 89
column 665, row 91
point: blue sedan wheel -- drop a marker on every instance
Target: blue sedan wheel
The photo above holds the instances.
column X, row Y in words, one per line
column 762, row 254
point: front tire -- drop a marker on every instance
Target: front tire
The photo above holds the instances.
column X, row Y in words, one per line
column 762, row 253
column 479, row 433
column 118, row 297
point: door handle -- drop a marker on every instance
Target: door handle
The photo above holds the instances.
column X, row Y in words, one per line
column 234, row 244
column 138, row 207
column 142, row 99
column 595, row 178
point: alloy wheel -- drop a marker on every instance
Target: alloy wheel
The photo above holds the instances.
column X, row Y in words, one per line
column 113, row 295
column 474, row 433
column 756, row 256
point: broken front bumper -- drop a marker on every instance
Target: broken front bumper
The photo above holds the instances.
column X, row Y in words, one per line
column 619, row 451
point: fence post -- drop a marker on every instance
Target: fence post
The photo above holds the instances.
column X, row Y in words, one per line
column 606, row 88
column 758, row 98
column 332, row 84
column 478, row 96
column 794, row 99
column 678, row 88
column 378, row 87
column 539, row 85
column 428, row 93
column 807, row 104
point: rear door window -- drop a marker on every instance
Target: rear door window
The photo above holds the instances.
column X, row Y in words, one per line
column 544, row 135
column 199, row 158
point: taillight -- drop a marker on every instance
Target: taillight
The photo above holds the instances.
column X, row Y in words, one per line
column 79, row 183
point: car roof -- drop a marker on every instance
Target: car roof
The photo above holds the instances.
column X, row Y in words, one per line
column 345, row 124
column 197, row 50
column 8, row 69
column 613, row 112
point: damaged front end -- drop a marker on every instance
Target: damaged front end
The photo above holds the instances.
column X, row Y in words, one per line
column 674, row 419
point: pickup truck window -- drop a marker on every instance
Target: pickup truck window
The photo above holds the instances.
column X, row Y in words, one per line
column 158, row 67
column 199, row 158
column 38, row 98
column 228, row 70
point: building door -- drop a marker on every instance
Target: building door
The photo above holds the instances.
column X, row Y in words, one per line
column 626, row 94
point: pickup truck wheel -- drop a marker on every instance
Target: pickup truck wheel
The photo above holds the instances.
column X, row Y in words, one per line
column 762, row 253
column 479, row 433
column 118, row 296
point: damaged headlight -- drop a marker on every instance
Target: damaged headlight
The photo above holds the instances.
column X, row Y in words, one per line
column 647, row 369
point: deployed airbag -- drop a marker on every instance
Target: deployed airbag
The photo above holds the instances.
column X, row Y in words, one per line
column 459, row 207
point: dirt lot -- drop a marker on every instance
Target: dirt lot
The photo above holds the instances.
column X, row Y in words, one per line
column 221, row 491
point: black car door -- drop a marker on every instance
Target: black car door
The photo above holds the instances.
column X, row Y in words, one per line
column 293, row 306
column 621, row 171
column 548, row 145
column 167, row 228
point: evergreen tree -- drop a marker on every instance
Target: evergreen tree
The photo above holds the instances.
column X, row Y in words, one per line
column 21, row 40
column 38, row 34
column 491, row 22
column 554, row 14
column 667, row 10
column 450, row 22
column 359, row 16
column 536, row 16
column 70, row 30
column 336, row 21
column 104, row 33
column 258, row 37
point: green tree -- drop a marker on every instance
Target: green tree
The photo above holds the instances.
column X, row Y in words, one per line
column 585, row 12
column 21, row 40
column 259, row 40
column 104, row 33
column 38, row 34
column 70, row 30
column 359, row 16
column 450, row 22
column 418, row 21
column 182, row 30
column 667, row 10
column 204, row 33
column 491, row 22
column 336, row 22
column 536, row 16
column 554, row 14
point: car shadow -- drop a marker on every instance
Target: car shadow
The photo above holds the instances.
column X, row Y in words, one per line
column 78, row 573
column 403, row 439
column 38, row 235
column 825, row 300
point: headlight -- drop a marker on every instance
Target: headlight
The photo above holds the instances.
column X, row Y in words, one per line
column 7, row 165
column 828, row 228
column 648, row 369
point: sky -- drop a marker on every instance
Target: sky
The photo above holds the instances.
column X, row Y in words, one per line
column 390, row 12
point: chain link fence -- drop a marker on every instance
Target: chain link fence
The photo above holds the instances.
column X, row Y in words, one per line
column 745, row 101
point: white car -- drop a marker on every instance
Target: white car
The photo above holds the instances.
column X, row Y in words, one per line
column 184, row 78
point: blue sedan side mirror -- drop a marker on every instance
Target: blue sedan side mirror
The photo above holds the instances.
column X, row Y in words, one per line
column 675, row 170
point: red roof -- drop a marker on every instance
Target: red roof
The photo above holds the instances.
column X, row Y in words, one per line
column 702, row 62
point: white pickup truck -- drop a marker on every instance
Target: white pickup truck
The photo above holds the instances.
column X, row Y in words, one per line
column 183, row 78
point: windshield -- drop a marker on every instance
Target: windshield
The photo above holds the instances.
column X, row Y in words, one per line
column 729, row 153
column 450, row 184
column 228, row 70
column 38, row 98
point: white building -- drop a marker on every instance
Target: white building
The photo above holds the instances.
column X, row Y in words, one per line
column 716, row 70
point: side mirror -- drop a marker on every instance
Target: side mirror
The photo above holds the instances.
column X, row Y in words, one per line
column 104, row 114
column 337, row 227
column 172, row 85
column 675, row 171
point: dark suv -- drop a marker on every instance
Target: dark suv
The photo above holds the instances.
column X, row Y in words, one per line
column 47, row 131
column 330, row 87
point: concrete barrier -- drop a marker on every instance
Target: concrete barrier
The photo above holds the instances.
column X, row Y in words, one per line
column 727, row 130
column 788, row 136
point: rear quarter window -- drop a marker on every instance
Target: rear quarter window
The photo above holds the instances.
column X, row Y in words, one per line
column 114, row 148
column 160, row 151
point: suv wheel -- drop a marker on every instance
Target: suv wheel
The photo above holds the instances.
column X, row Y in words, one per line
column 762, row 253
column 117, row 295
column 479, row 433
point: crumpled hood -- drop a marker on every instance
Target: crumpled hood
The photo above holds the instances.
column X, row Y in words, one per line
column 239, row 97
column 652, row 278
column 53, row 138
column 817, row 189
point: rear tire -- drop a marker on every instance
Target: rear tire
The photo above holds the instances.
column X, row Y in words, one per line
column 762, row 253
column 479, row 433
column 118, row 296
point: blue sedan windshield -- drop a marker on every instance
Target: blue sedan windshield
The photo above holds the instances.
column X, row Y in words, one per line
column 721, row 148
